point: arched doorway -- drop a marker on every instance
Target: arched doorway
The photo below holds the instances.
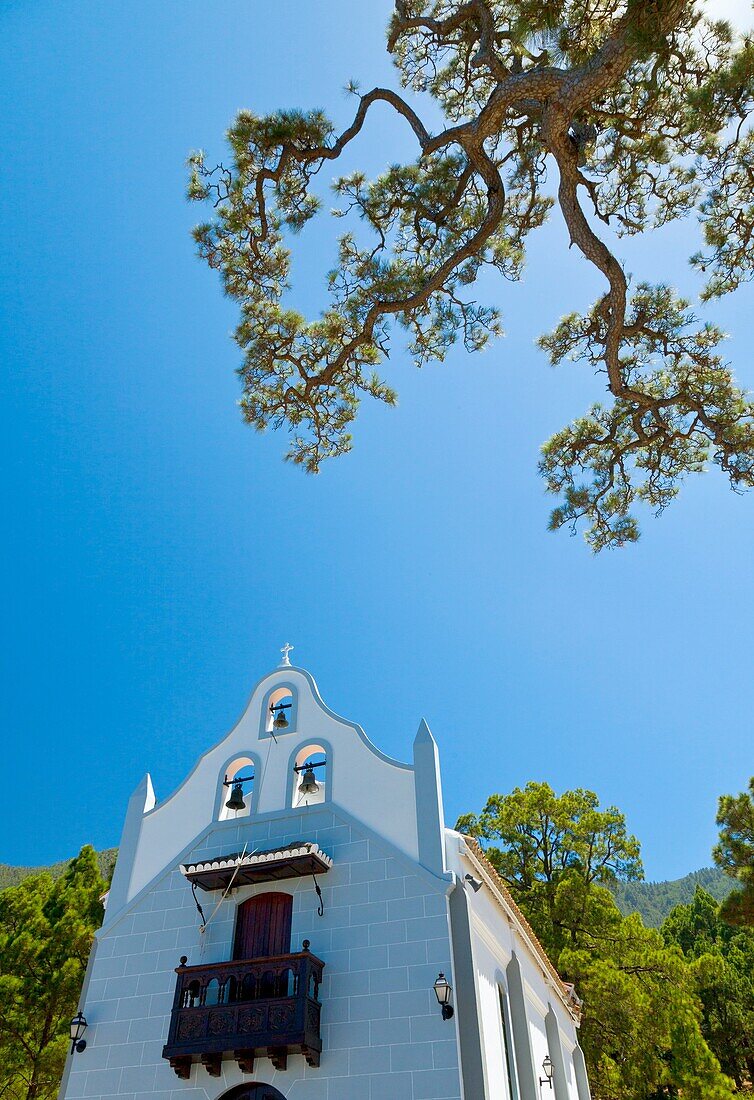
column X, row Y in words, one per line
column 253, row 1092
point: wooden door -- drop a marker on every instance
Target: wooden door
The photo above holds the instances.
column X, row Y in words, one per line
column 263, row 927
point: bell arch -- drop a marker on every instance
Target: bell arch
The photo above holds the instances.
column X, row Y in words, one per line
column 279, row 713
column 237, row 785
column 309, row 774
column 257, row 1091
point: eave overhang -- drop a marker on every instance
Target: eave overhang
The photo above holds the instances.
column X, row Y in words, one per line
column 293, row 861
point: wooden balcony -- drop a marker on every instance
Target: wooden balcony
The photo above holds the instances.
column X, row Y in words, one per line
column 245, row 1010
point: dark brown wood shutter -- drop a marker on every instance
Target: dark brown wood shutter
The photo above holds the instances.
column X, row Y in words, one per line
column 263, row 927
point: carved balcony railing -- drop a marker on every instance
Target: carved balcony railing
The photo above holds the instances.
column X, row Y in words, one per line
column 244, row 1010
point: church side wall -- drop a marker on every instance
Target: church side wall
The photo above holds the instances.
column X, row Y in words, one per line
column 498, row 944
column 490, row 975
column 384, row 937
column 491, row 960
column 568, row 1049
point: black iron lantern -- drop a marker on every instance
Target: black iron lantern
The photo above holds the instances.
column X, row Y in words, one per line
column 548, row 1071
column 443, row 992
column 78, row 1027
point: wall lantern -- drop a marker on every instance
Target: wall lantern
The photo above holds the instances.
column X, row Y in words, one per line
column 78, row 1027
column 236, row 802
column 443, row 992
column 547, row 1067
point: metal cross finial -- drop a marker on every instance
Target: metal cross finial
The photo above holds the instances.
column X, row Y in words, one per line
column 285, row 650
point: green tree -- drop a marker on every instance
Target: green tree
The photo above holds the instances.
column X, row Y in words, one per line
column 734, row 853
column 641, row 1028
column 723, row 970
column 625, row 116
column 542, row 840
column 46, row 931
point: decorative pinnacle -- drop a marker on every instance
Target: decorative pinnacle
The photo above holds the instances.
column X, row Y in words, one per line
column 285, row 650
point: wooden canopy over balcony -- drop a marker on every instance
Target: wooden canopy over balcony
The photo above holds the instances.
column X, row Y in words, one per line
column 265, row 1007
column 292, row 861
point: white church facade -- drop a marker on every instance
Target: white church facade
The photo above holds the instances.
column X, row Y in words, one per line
column 296, row 921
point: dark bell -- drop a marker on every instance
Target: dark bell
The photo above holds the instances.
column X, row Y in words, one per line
column 236, row 802
column 280, row 722
column 309, row 784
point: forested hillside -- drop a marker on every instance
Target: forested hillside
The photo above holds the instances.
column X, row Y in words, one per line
column 654, row 900
column 11, row 876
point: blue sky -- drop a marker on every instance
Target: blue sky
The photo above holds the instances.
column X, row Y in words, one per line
column 158, row 552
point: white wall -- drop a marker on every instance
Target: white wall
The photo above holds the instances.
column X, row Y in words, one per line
column 383, row 937
column 365, row 782
column 495, row 936
column 490, row 974
column 371, row 791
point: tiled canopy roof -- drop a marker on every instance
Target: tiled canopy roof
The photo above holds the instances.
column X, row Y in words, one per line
column 303, row 857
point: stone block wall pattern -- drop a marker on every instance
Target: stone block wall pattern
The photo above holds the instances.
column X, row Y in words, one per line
column 384, row 937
